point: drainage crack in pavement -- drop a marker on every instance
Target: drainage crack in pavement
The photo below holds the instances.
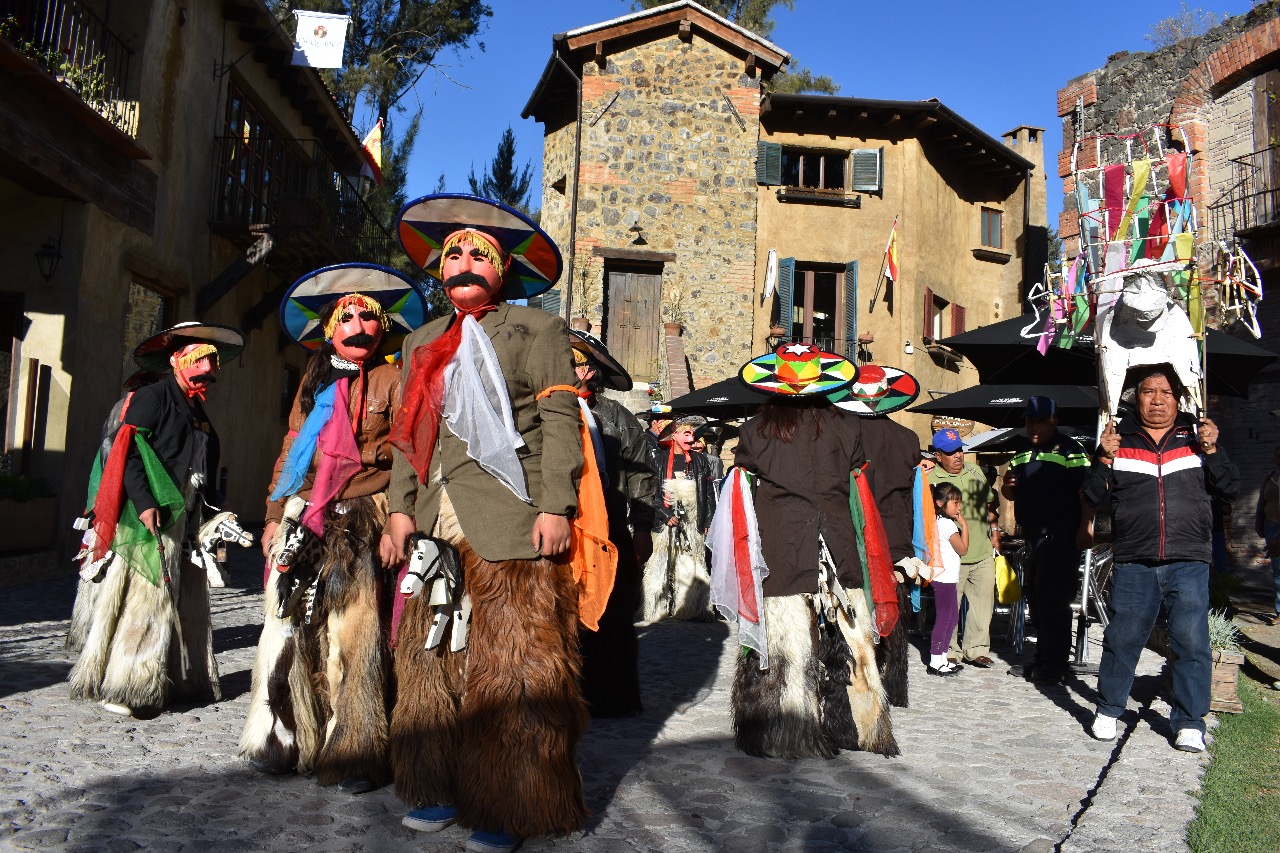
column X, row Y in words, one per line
column 1087, row 802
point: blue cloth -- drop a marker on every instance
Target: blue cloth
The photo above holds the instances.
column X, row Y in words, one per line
column 918, row 485
column 294, row 472
column 1137, row 592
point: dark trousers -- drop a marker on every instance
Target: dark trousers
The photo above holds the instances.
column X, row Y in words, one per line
column 1056, row 579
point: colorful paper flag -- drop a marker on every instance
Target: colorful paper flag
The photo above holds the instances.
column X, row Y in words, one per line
column 372, row 150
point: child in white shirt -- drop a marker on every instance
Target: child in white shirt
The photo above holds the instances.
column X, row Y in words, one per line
column 953, row 542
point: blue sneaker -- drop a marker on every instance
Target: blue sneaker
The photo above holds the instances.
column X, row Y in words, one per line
column 492, row 842
column 431, row 818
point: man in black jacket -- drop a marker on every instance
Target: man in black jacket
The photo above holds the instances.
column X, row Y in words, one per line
column 1160, row 477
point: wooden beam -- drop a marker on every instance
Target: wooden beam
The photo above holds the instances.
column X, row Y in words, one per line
column 633, row 254
column 599, row 56
column 862, row 115
column 924, row 121
column 751, row 65
column 893, row 118
column 705, row 23
column 686, row 31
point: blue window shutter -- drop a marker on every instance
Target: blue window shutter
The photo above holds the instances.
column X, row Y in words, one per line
column 868, row 169
column 549, row 301
column 768, row 163
column 851, row 311
column 786, row 294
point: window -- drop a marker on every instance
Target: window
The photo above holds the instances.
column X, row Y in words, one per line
column 817, row 304
column 991, row 228
column 255, row 165
column 829, row 170
column 935, row 310
column 147, row 312
column 811, row 169
column 957, row 319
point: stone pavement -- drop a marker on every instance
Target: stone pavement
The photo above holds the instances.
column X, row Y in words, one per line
column 989, row 763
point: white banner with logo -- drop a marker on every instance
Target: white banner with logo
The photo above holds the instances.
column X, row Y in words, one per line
column 320, row 39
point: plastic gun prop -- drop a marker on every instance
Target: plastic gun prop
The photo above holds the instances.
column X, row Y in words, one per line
column 208, row 553
column 92, row 571
column 435, row 566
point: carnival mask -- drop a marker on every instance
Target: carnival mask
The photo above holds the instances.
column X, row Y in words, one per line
column 471, row 270
column 195, row 366
column 357, row 327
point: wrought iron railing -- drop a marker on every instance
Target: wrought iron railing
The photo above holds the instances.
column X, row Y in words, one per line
column 1253, row 200
column 291, row 183
column 75, row 46
column 848, row 347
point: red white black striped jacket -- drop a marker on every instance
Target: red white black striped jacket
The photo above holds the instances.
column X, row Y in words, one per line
column 1160, row 493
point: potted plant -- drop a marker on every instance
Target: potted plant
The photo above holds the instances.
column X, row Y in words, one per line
column 1224, row 645
column 28, row 513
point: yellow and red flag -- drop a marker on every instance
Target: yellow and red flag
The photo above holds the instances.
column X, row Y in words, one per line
column 372, row 149
column 891, row 253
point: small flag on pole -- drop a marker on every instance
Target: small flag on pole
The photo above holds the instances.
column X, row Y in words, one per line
column 372, row 150
column 891, row 253
column 320, row 39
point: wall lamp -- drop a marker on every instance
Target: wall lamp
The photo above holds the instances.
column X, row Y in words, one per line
column 908, row 348
column 47, row 256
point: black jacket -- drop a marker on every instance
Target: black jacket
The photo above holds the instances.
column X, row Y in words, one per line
column 162, row 408
column 1160, row 493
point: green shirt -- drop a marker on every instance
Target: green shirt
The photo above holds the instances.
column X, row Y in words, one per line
column 975, row 496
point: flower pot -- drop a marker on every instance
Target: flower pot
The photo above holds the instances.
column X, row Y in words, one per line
column 672, row 330
column 777, row 331
column 581, row 324
column 1224, row 681
column 27, row 525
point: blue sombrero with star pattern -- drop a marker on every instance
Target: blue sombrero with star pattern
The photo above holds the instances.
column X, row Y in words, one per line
column 424, row 224
column 798, row 370
column 400, row 298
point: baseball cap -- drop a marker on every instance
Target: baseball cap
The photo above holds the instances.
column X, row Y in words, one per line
column 947, row 440
column 1040, row 408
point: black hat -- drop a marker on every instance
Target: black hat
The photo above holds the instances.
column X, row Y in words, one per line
column 612, row 374
column 682, row 420
column 153, row 353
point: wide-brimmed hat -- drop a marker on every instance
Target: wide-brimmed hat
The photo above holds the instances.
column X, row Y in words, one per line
column 424, row 224
column 612, row 374
column 798, row 370
column 153, row 353
column 686, row 420
column 300, row 309
column 878, row 390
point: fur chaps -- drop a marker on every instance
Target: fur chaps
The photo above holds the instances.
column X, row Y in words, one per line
column 894, row 652
column 494, row 730
column 686, row 595
column 144, row 645
column 821, row 692
column 320, row 687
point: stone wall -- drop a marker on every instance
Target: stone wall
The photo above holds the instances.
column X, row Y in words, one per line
column 669, row 131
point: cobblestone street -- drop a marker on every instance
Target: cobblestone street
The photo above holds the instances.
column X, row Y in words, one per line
column 989, row 763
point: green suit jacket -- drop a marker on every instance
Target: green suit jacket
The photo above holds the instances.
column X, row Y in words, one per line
column 533, row 349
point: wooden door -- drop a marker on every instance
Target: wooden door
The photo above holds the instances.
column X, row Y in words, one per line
column 634, row 321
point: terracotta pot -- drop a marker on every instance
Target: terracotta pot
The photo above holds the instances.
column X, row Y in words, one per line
column 777, row 331
column 581, row 324
column 672, row 330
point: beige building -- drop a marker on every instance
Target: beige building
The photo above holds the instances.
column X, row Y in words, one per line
column 160, row 162
column 669, row 175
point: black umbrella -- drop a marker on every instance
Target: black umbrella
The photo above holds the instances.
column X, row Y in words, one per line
column 1001, row 354
column 1003, row 405
column 728, row 398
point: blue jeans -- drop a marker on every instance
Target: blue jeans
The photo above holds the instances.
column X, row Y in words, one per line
column 1136, row 594
column 1270, row 531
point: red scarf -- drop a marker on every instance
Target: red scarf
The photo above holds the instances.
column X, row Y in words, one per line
column 418, row 423
column 671, row 461
column 884, row 590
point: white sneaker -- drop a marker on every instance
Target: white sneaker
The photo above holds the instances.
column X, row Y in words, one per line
column 1189, row 740
column 122, row 710
column 1104, row 727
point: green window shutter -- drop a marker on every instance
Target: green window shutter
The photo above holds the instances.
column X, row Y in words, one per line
column 786, row 294
column 851, row 311
column 768, row 163
column 549, row 301
column 868, row 169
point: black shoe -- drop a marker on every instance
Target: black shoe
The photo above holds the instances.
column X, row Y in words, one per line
column 981, row 662
column 1037, row 674
column 356, row 785
column 946, row 669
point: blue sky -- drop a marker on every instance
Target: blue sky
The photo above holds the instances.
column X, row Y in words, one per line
column 997, row 63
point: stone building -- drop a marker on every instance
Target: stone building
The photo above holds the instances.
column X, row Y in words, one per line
column 669, row 174
column 169, row 163
column 1222, row 90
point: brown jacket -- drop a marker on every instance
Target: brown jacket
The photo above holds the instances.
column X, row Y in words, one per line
column 803, row 490
column 382, row 399
column 533, row 350
column 893, row 452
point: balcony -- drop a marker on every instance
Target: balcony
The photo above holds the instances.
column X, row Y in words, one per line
column 290, row 188
column 1251, row 207
column 75, row 46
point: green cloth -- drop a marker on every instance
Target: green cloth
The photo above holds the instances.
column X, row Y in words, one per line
column 859, row 522
column 976, row 495
column 133, row 542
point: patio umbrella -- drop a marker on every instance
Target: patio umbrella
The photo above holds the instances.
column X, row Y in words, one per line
column 1003, row 405
column 1006, row 438
column 728, row 398
column 1001, row 354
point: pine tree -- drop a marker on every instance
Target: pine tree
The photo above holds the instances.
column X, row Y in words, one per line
column 502, row 182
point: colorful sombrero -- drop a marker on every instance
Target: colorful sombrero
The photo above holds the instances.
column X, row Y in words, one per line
column 878, row 390
column 795, row 370
column 300, row 309
column 612, row 374
column 153, row 353
column 424, row 224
